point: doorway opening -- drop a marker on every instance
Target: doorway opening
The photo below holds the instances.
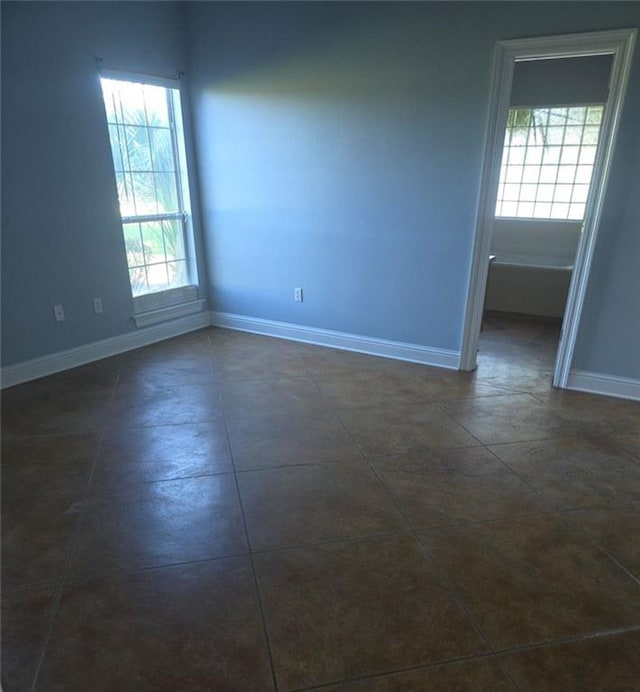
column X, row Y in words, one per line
column 555, row 107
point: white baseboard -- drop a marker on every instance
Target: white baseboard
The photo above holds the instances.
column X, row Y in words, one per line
column 608, row 385
column 64, row 360
column 414, row 353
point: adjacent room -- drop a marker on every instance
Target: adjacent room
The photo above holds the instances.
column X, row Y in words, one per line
column 246, row 443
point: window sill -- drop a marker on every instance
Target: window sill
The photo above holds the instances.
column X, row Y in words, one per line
column 145, row 319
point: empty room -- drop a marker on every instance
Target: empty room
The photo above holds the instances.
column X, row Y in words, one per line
column 320, row 346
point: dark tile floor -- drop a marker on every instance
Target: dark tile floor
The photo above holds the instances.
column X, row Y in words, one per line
column 225, row 511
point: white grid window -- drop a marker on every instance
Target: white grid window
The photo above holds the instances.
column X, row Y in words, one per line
column 547, row 162
column 143, row 121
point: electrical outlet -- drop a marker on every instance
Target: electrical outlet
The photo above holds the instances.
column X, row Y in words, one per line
column 58, row 312
column 97, row 305
column 297, row 295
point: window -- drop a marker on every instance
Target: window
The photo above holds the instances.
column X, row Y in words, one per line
column 147, row 145
column 547, row 162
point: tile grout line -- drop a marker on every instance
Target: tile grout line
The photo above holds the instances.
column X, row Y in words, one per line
column 61, row 579
column 256, row 582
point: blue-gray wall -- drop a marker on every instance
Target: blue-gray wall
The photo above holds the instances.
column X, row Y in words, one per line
column 340, row 149
column 61, row 235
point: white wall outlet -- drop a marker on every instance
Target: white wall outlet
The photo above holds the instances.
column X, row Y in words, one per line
column 97, row 305
column 297, row 295
column 58, row 312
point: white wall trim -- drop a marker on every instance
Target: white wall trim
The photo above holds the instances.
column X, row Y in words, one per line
column 441, row 358
column 64, row 360
column 607, row 385
column 145, row 319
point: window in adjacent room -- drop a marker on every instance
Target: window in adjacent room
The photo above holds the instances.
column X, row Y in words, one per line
column 147, row 144
column 547, row 162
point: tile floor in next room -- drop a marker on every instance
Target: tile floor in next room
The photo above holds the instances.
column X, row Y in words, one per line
column 225, row 511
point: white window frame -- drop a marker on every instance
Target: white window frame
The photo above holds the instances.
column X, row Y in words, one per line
column 159, row 306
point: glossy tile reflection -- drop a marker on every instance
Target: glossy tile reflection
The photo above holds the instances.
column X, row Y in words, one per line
column 228, row 511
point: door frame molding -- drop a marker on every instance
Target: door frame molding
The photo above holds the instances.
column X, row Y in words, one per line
column 620, row 44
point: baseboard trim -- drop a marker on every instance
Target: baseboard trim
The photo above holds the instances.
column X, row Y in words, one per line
column 414, row 353
column 72, row 358
column 607, row 385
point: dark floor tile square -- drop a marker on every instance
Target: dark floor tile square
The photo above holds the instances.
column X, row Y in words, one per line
column 601, row 664
column 25, row 616
column 401, row 429
column 46, row 463
column 376, row 387
column 280, row 440
column 474, row 676
column 511, row 418
column 286, row 395
column 532, row 580
column 615, row 530
column 162, row 453
column 345, row 610
column 46, row 413
column 575, row 472
column 192, row 627
column 194, row 403
column 158, row 524
column 453, row 486
column 36, row 535
column 304, row 504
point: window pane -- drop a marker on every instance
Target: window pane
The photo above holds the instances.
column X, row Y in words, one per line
column 152, row 242
column 525, row 209
column 591, row 135
column 157, row 277
column 548, row 174
column 130, row 108
column 552, row 155
column 562, row 193
column 584, row 174
column 138, row 156
column 580, row 193
column 570, row 155
column 566, row 174
column 594, row 114
column 528, row 193
column 166, row 192
column 116, row 153
column 155, row 99
column 534, row 156
column 573, row 135
column 531, row 174
column 144, row 193
column 125, row 194
column 509, row 209
column 511, row 192
column 558, row 116
column 542, row 210
column 174, row 239
column 162, row 148
column 587, row 155
column 559, row 210
column 138, row 280
column 576, row 211
column 514, row 174
column 545, row 193
column 178, row 275
column 577, row 115
column 516, row 155
column 133, row 244
column 555, row 135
